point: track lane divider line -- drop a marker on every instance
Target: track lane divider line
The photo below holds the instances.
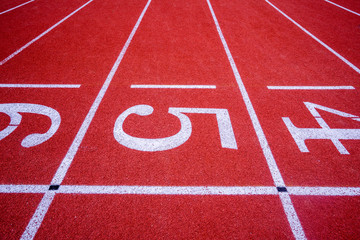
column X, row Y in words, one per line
column 65, row 164
column 292, row 216
column 274, row 170
column 346, row 9
column 36, row 220
column 16, row 7
column 42, row 34
column 38, row 217
column 316, row 39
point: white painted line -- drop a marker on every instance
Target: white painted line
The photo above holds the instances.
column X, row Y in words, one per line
column 168, row 190
column 325, row 191
column 16, row 7
column 278, row 180
column 24, row 188
column 40, row 85
column 343, row 8
column 40, row 212
column 310, row 87
column 175, row 86
column 65, row 164
column 292, row 217
column 42, row 34
column 316, row 39
column 182, row 190
column 38, row 216
column 42, row 208
column 274, row 170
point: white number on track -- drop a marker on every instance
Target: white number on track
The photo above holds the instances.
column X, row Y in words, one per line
column 227, row 136
column 325, row 132
column 13, row 110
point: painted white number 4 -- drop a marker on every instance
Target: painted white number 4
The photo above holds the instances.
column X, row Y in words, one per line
column 227, row 136
column 325, row 132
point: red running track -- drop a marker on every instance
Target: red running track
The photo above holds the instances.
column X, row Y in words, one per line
column 233, row 170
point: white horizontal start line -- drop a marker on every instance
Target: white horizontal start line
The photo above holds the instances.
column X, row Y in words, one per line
column 176, row 86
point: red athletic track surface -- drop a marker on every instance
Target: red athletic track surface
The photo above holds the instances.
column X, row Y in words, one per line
column 82, row 183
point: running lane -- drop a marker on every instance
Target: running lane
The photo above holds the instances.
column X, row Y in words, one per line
column 80, row 51
column 20, row 26
column 334, row 26
column 269, row 50
column 161, row 217
column 176, row 44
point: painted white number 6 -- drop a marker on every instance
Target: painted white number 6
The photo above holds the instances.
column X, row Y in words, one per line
column 13, row 110
column 227, row 136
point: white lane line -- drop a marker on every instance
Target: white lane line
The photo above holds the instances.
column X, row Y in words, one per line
column 16, row 7
column 278, row 180
column 42, row 208
column 274, row 170
column 292, row 217
column 343, row 8
column 65, row 164
column 316, row 39
column 174, row 86
column 169, row 190
column 310, row 87
column 40, row 85
column 38, row 216
column 42, row 34
column 324, row 191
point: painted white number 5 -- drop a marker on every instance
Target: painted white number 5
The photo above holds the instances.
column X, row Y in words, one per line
column 227, row 136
